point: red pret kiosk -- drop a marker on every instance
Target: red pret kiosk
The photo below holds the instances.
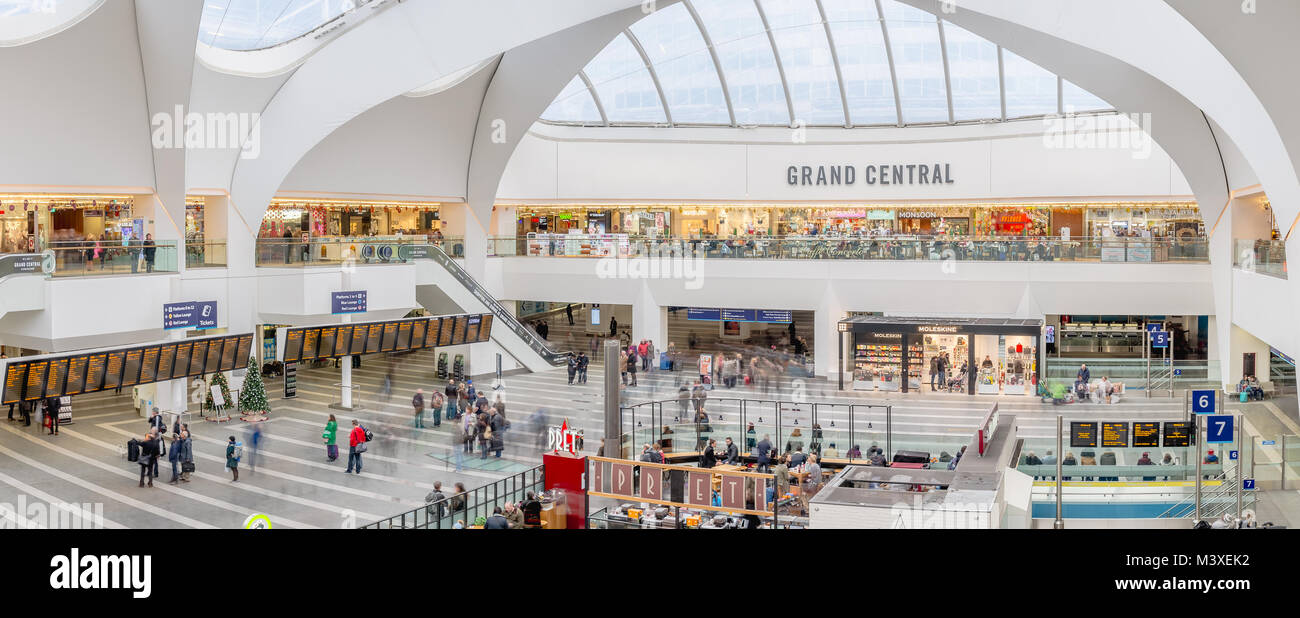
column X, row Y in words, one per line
column 564, row 472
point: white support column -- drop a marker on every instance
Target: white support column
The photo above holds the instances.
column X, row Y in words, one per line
column 826, row 319
column 649, row 319
column 222, row 223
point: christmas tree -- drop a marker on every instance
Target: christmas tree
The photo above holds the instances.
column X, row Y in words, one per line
column 253, row 397
column 218, row 380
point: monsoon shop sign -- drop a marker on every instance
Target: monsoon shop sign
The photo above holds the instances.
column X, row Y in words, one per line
column 874, row 174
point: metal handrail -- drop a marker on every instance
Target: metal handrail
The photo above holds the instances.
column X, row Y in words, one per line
column 478, row 500
column 503, row 316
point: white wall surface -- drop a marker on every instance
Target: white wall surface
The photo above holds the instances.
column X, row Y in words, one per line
column 306, row 292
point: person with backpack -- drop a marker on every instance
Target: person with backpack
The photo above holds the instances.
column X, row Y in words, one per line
column 330, row 435
column 234, row 451
column 417, row 402
column 436, row 502
column 435, row 406
column 452, row 393
column 357, row 439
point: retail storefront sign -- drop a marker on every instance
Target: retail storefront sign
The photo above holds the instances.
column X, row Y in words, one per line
column 872, row 174
column 562, row 438
column 20, row 264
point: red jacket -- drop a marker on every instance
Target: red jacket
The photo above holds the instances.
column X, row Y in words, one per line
column 356, row 436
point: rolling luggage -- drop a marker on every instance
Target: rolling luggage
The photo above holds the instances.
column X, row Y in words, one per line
column 133, row 450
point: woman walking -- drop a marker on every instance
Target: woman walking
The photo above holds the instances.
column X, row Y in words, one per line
column 232, row 461
column 330, row 435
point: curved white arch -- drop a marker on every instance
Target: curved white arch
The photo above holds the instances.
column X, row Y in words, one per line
column 36, row 20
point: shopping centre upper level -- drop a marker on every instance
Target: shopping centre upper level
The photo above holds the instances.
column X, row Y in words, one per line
column 889, row 156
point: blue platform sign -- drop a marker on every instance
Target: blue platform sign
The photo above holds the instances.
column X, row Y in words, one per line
column 1218, row 429
column 1154, row 326
column 1248, row 484
column 1203, row 401
column 1234, row 455
column 771, row 316
column 199, row 315
column 1159, row 338
column 348, row 302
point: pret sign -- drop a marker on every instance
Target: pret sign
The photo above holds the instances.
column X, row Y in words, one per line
column 200, row 315
column 348, row 302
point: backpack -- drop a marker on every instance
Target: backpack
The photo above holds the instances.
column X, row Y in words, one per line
column 239, row 451
column 133, row 450
column 370, row 435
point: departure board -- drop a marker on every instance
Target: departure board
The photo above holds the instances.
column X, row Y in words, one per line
column 358, row 340
column 485, row 329
column 198, row 356
column 343, row 341
column 149, row 365
column 1083, row 434
column 242, row 354
column 1146, row 435
column 214, row 357
column 113, row 372
column 36, row 380
column 1177, row 434
column 445, row 328
column 57, row 374
column 325, row 346
column 458, row 330
column 417, row 333
column 229, row 353
column 15, row 379
column 166, row 356
column 1114, row 435
column 292, row 346
column 431, row 335
column 181, row 364
column 375, row 334
column 131, row 367
column 95, row 366
column 310, row 338
column 404, row 335
column 76, row 376
column 471, row 329
column 390, row 337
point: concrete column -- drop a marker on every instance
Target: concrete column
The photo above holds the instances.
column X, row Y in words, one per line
column 826, row 318
column 649, row 319
column 223, row 224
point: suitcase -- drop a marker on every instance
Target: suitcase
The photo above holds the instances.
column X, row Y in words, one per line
column 133, row 450
column 187, row 466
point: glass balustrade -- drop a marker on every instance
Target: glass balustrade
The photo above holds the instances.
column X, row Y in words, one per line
column 86, row 259
column 285, row 252
column 1266, row 257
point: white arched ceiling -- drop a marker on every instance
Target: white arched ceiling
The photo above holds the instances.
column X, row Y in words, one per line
column 392, row 53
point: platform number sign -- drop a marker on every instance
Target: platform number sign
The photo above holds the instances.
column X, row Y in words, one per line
column 1203, row 402
column 1248, row 484
column 1159, row 338
column 1218, row 429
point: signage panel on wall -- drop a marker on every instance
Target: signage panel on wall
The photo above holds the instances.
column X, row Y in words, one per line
column 775, row 316
column 348, row 302
column 200, row 315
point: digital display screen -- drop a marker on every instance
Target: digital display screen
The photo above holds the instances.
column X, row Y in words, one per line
column 325, row 347
column 1083, row 434
column 15, row 378
column 310, row 338
column 166, row 356
column 76, row 376
column 417, row 333
column 458, row 329
column 95, row 373
column 445, row 326
column 404, row 335
column 1146, row 435
column 36, row 380
column 471, row 329
column 241, row 355
column 390, row 337
column 131, row 367
column 113, row 373
column 1178, row 433
column 292, row 346
column 149, row 365
column 358, row 340
column 213, row 364
column 198, row 356
column 431, row 332
column 1114, row 435
column 343, row 341
column 375, row 333
column 181, row 362
column 485, row 329
column 54, row 381
column 229, row 352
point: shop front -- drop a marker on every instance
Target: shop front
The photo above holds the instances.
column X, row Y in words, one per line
column 345, row 219
column 33, row 223
column 581, row 219
column 935, row 221
column 987, row 356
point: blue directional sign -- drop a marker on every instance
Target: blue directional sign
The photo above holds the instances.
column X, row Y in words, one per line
column 348, row 302
column 1248, row 484
column 1203, row 401
column 200, row 315
column 1178, row 372
column 1159, row 338
column 1234, row 455
column 1154, row 326
column 1218, row 429
column 1269, row 442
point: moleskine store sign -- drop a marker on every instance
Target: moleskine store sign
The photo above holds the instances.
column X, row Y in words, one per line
column 874, row 174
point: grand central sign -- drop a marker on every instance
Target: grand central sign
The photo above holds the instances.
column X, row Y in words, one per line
column 882, row 174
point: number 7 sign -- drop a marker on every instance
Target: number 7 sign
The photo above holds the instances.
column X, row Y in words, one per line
column 1203, row 402
column 1218, row 429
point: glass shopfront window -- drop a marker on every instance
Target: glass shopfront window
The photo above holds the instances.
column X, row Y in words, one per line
column 32, row 223
column 343, row 219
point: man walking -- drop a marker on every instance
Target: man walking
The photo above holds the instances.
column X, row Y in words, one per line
column 356, row 446
column 417, row 402
column 583, row 361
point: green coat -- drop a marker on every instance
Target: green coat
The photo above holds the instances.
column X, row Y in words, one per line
column 231, row 462
column 331, row 432
column 782, row 473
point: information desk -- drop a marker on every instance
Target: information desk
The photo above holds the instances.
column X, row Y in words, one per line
column 60, row 375
column 312, row 343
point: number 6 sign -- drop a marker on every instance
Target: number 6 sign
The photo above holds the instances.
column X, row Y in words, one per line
column 1203, row 402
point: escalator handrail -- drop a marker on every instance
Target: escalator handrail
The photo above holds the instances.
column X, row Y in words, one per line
column 553, row 357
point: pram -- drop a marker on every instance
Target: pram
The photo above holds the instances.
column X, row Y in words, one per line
column 958, row 382
column 1082, row 392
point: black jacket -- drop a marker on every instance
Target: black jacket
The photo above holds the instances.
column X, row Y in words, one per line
column 708, row 458
column 497, row 522
column 733, row 454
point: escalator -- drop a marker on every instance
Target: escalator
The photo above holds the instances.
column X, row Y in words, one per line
column 516, row 339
